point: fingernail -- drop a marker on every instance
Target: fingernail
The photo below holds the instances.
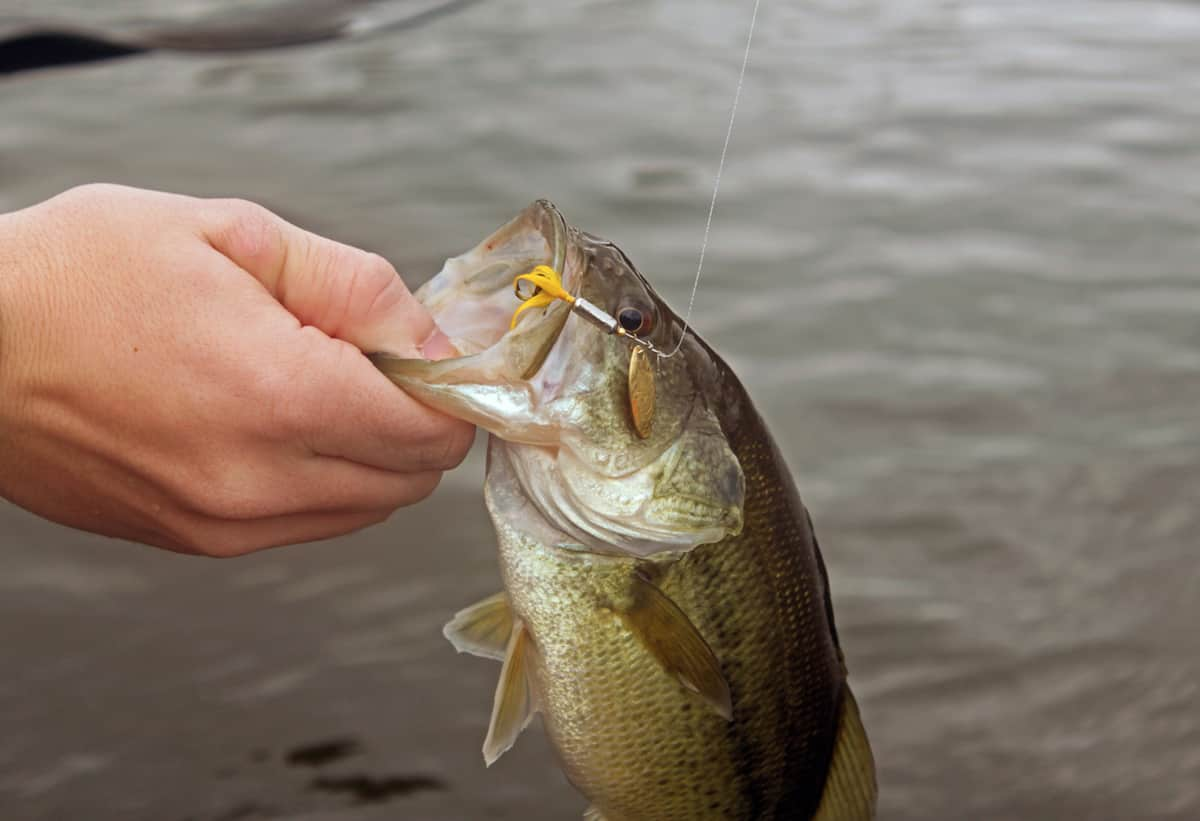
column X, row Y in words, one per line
column 438, row 346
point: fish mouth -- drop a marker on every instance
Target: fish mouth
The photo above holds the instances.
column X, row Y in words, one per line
column 473, row 301
column 556, row 393
column 473, row 298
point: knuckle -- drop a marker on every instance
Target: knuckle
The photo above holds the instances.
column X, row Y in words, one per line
column 89, row 200
column 248, row 231
column 91, row 190
column 99, row 190
column 363, row 288
column 442, row 443
column 344, row 280
column 239, row 211
column 379, row 277
column 455, row 446
column 358, row 284
column 377, row 283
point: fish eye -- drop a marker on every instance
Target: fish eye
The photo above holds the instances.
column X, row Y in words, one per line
column 635, row 320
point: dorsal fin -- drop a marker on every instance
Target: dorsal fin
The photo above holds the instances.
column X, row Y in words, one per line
column 850, row 787
column 483, row 629
column 512, row 707
column 670, row 636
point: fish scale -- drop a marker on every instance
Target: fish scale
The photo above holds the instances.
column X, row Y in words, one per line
column 624, row 728
column 666, row 608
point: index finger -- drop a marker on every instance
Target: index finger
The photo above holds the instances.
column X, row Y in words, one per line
column 346, row 292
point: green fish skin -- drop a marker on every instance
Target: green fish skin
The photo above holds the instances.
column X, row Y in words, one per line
column 665, row 606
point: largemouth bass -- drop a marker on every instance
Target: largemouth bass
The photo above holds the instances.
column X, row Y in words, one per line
column 665, row 605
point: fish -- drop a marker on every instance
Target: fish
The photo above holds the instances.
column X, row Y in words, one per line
column 665, row 606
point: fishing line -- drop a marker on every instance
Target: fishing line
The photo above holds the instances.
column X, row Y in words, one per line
column 712, row 206
column 546, row 283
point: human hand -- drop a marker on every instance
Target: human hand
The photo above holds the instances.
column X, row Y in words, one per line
column 188, row 373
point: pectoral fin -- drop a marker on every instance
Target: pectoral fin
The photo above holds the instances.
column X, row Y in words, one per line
column 670, row 636
column 592, row 814
column 483, row 629
column 850, row 788
column 512, row 708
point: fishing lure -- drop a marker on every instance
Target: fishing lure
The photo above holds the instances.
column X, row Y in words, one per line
column 547, row 286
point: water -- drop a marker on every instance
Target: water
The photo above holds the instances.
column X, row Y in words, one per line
column 954, row 261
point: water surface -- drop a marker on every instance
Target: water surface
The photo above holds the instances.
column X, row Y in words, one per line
column 954, row 261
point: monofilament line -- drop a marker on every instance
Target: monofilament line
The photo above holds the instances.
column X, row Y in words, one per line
column 712, row 206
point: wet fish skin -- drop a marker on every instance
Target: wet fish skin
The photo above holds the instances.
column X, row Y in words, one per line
column 691, row 682
column 632, row 738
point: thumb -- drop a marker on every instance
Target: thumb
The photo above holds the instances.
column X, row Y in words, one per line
column 347, row 293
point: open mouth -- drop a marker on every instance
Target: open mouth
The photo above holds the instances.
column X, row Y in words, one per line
column 473, row 299
column 491, row 383
column 530, row 380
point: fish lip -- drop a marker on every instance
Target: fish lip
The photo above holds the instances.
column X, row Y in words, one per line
column 558, row 243
column 557, row 238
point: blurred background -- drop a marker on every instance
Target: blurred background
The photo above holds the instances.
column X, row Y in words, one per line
column 955, row 262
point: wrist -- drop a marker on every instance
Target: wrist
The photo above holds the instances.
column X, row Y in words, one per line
column 24, row 268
